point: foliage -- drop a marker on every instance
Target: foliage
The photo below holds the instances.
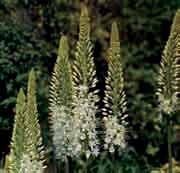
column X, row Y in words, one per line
column 144, row 34
column 127, row 162
column 20, row 51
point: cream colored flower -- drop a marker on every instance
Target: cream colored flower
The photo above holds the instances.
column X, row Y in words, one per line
column 84, row 119
column 115, row 134
column 30, row 166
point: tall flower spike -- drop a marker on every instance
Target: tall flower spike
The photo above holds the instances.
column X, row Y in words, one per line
column 115, row 100
column 84, row 33
column 61, row 103
column 34, row 146
column 85, row 95
column 84, row 72
column 18, row 137
column 176, row 23
column 169, row 74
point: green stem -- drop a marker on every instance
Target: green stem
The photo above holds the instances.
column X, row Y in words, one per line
column 113, row 160
column 170, row 148
column 85, row 166
column 66, row 165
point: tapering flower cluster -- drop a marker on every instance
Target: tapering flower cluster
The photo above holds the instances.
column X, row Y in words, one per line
column 84, row 119
column 115, row 134
column 61, row 104
column 27, row 165
column 85, row 95
column 115, row 108
column 168, row 89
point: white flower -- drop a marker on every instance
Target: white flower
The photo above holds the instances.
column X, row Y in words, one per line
column 168, row 105
column 111, row 149
column 84, row 119
column 30, row 166
column 95, row 151
column 88, row 153
column 74, row 131
column 114, row 134
column 83, row 88
column 63, row 134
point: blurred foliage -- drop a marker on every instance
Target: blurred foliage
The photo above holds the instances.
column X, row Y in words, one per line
column 127, row 162
column 164, row 168
column 30, row 31
column 20, row 50
column 145, row 33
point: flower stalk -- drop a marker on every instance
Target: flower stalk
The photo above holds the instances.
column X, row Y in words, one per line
column 85, row 95
column 114, row 110
column 61, row 105
column 169, row 81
